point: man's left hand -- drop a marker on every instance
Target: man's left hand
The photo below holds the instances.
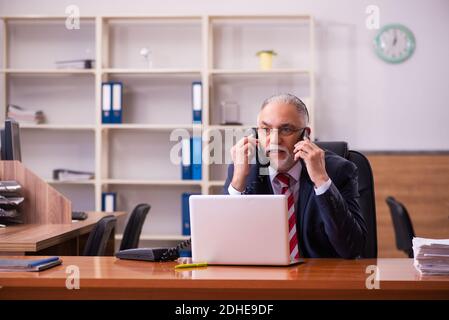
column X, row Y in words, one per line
column 314, row 159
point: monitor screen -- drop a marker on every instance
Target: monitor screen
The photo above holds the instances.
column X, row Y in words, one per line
column 10, row 139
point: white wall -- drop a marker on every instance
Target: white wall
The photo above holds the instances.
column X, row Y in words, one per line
column 371, row 104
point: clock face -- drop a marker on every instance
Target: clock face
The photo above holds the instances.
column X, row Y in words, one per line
column 394, row 43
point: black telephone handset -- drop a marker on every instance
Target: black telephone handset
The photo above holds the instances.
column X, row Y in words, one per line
column 153, row 254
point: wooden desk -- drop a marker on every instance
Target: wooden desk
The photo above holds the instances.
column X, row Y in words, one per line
column 110, row 278
column 51, row 239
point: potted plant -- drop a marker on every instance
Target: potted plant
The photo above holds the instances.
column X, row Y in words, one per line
column 266, row 58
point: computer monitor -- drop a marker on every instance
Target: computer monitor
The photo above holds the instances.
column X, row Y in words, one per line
column 10, row 141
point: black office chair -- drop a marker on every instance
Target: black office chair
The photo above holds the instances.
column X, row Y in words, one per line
column 403, row 227
column 98, row 237
column 366, row 190
column 133, row 228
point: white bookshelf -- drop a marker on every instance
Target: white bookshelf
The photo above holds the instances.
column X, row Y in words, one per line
column 249, row 72
column 68, row 182
column 56, row 127
column 150, row 127
column 132, row 158
column 152, row 182
column 153, row 71
column 42, row 72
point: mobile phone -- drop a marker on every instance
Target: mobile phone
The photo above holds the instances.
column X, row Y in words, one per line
column 261, row 159
column 305, row 134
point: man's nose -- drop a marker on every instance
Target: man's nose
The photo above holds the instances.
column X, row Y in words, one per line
column 274, row 136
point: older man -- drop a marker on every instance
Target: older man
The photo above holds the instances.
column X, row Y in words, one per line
column 321, row 187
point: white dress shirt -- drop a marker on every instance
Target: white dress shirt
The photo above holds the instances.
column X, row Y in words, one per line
column 294, row 172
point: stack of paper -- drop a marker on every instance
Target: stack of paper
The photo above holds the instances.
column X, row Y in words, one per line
column 76, row 64
column 10, row 199
column 23, row 115
column 431, row 256
column 20, row 265
column 72, row 175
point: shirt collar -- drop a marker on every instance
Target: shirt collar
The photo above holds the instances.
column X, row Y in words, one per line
column 294, row 171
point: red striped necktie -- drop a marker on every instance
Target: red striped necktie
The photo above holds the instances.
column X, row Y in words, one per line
column 284, row 180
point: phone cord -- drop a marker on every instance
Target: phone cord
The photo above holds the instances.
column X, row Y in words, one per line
column 173, row 253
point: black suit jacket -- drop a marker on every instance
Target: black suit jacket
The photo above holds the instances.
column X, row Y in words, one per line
column 329, row 225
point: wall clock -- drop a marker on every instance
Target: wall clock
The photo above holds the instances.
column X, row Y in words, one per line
column 394, row 43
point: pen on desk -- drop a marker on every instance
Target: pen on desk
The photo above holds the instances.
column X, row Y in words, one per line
column 190, row 265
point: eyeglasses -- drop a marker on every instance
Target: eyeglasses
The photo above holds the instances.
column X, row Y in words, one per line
column 282, row 131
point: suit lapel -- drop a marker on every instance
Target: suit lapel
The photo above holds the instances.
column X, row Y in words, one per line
column 263, row 184
column 305, row 189
column 267, row 188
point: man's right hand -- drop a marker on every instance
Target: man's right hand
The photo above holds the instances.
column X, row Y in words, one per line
column 242, row 153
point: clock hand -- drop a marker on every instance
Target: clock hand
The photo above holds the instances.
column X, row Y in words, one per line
column 395, row 38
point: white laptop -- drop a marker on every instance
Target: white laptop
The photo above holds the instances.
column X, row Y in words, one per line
column 240, row 230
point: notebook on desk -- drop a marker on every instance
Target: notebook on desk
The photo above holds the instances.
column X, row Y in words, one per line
column 28, row 265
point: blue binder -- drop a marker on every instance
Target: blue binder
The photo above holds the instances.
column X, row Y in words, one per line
column 196, row 158
column 111, row 102
column 186, row 213
column 186, row 159
column 106, row 102
column 109, row 201
column 117, row 102
column 197, row 101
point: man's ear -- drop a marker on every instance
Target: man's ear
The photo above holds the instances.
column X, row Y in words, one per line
column 309, row 131
column 305, row 132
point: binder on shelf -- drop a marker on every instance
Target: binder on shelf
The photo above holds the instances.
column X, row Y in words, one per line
column 108, row 201
column 197, row 101
column 112, row 102
column 196, row 145
column 185, row 253
column 106, row 102
column 186, row 212
column 186, row 163
column 117, row 102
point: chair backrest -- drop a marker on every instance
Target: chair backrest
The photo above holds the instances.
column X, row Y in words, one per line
column 366, row 190
column 98, row 237
column 403, row 228
column 133, row 228
column 338, row 147
column 367, row 201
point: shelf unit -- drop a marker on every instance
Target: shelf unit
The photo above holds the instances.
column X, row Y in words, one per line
column 47, row 71
column 130, row 158
column 75, row 182
column 56, row 127
column 258, row 72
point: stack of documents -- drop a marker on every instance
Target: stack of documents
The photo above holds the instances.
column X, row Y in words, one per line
column 431, row 256
column 71, row 175
column 23, row 115
column 21, row 265
column 10, row 200
column 76, row 64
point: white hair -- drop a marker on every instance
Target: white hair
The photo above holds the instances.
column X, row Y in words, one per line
column 288, row 98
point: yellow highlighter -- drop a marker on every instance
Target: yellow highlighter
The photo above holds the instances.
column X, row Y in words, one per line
column 191, row 265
